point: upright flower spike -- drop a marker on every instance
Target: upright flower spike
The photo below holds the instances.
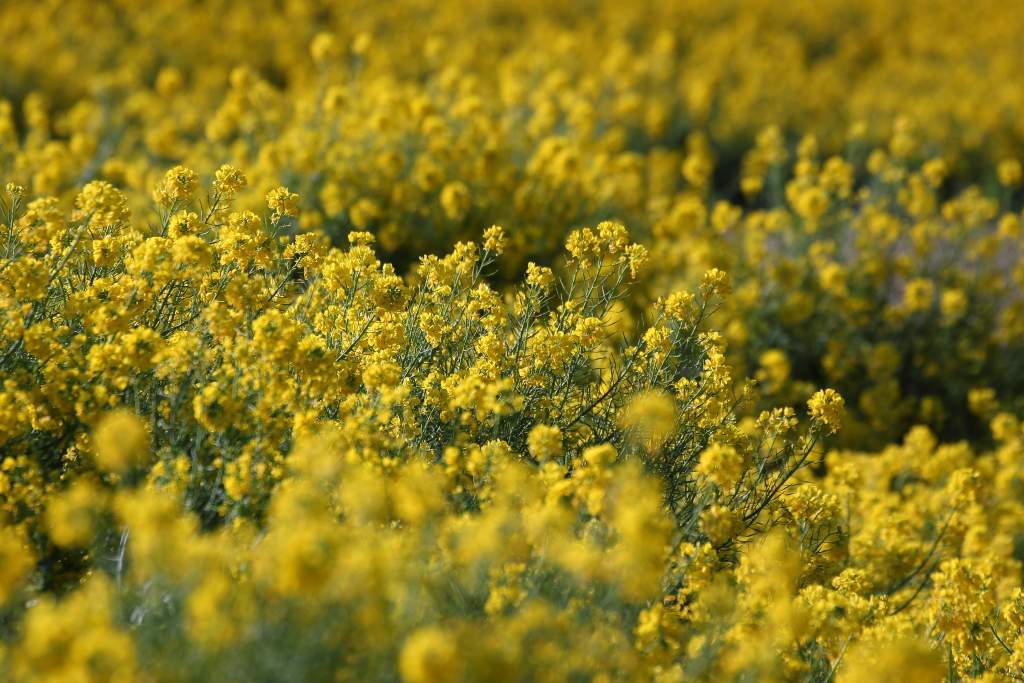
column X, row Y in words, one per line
column 827, row 409
column 178, row 187
column 283, row 203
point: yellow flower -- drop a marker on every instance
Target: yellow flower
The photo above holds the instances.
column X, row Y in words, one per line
column 455, row 200
column 721, row 464
column 120, row 442
column 429, row 656
column 282, row 202
column 539, row 276
column 918, row 294
column 953, row 303
column 180, row 183
column 826, row 408
column 363, row 212
column 361, row 43
column 1010, row 172
column 72, row 517
column 102, row 204
column 323, row 48
column 545, row 443
column 715, row 283
column 229, row 181
column 775, row 369
column 494, row 240
column 982, row 402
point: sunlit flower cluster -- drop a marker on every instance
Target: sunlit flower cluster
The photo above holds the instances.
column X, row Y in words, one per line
column 669, row 342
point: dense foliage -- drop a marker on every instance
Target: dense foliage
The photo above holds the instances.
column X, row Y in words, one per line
column 281, row 401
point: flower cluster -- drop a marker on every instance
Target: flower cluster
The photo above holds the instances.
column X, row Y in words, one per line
column 326, row 353
column 902, row 290
column 183, row 391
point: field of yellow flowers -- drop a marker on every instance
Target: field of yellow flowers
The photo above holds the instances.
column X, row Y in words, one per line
column 500, row 341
